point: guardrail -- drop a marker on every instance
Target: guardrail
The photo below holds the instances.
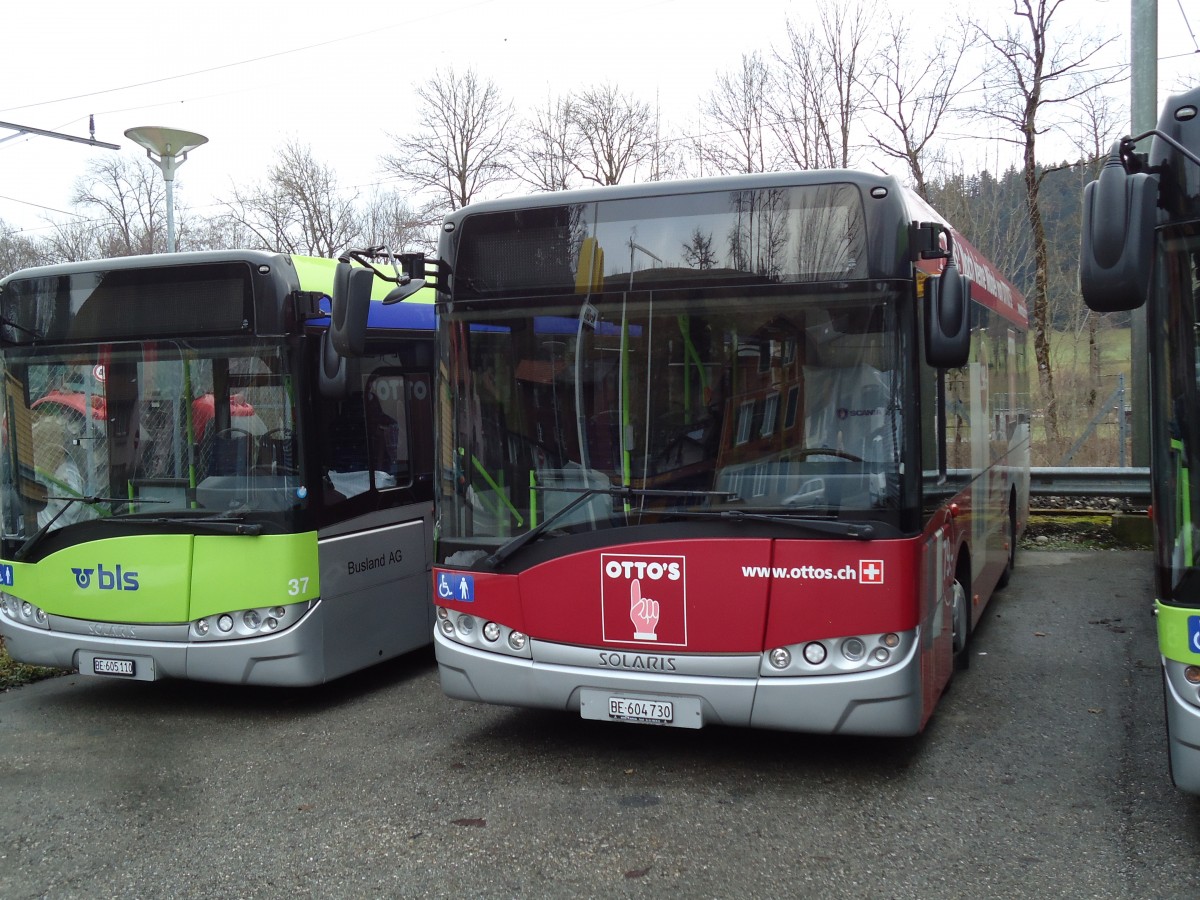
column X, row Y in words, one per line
column 1090, row 481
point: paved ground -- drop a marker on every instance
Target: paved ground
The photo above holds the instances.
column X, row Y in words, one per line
column 1043, row 774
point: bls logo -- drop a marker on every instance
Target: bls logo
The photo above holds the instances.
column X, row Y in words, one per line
column 643, row 599
column 106, row 580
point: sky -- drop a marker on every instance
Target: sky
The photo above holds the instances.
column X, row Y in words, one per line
column 254, row 74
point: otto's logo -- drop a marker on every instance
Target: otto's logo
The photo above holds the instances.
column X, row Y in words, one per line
column 643, row 598
column 106, row 579
column 844, row 413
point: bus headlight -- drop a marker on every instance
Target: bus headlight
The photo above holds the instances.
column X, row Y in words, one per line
column 854, row 649
column 482, row 634
column 842, row 656
column 248, row 623
column 814, row 653
column 24, row 612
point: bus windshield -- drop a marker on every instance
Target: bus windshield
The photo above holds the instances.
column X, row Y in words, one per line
column 785, row 400
column 1176, row 372
column 150, row 429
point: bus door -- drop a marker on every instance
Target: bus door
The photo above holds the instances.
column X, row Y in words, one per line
column 374, row 551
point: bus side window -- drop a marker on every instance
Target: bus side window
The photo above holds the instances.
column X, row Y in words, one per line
column 387, row 432
column 367, row 439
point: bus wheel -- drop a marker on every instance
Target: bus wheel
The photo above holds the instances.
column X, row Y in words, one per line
column 960, row 623
column 1011, row 536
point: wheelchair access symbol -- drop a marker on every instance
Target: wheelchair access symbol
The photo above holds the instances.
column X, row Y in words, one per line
column 456, row 586
column 1194, row 633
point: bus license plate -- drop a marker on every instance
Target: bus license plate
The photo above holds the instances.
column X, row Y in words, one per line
column 605, row 706
column 630, row 709
column 103, row 665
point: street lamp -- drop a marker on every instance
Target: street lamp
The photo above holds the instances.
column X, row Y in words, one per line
column 172, row 146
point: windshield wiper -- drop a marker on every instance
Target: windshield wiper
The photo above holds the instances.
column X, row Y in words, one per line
column 860, row 532
column 504, row 551
column 5, row 320
column 67, row 502
column 216, row 524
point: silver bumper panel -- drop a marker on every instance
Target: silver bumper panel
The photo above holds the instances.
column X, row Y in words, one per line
column 879, row 702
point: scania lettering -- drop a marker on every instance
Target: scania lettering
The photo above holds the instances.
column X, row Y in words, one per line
column 201, row 478
column 745, row 451
column 1141, row 248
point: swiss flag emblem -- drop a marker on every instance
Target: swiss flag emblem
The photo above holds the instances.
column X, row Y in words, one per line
column 870, row 571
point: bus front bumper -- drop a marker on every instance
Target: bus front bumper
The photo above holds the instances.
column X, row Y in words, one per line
column 879, row 702
column 293, row 657
column 1183, row 727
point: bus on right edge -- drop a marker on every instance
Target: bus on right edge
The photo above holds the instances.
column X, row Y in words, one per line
column 1141, row 246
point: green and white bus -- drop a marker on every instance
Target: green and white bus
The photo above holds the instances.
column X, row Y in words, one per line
column 1141, row 247
column 196, row 482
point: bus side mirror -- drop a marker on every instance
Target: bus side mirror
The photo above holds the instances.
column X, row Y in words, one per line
column 351, row 302
column 415, row 278
column 1116, row 259
column 948, row 318
column 347, row 334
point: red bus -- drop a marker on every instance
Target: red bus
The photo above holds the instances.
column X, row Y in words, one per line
column 746, row 451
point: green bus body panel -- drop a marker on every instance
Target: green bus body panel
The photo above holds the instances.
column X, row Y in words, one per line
column 316, row 274
column 170, row 578
column 1173, row 641
column 240, row 572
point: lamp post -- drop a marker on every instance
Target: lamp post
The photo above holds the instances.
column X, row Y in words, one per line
column 171, row 146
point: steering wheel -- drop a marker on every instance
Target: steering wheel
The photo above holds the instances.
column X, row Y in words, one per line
column 233, row 431
column 279, row 434
column 275, row 436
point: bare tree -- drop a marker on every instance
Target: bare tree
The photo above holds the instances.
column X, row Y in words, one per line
column 128, row 196
column 913, row 91
column 543, row 160
column 77, row 239
column 221, row 232
column 615, row 133
column 1097, row 122
column 299, row 209
column 667, row 158
column 798, row 112
column 462, row 145
column 388, row 220
column 818, row 92
column 18, row 251
column 737, row 109
column 1031, row 73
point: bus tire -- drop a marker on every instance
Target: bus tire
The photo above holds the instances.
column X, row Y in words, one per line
column 960, row 623
column 1011, row 536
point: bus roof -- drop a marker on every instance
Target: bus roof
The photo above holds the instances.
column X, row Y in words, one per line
column 150, row 261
